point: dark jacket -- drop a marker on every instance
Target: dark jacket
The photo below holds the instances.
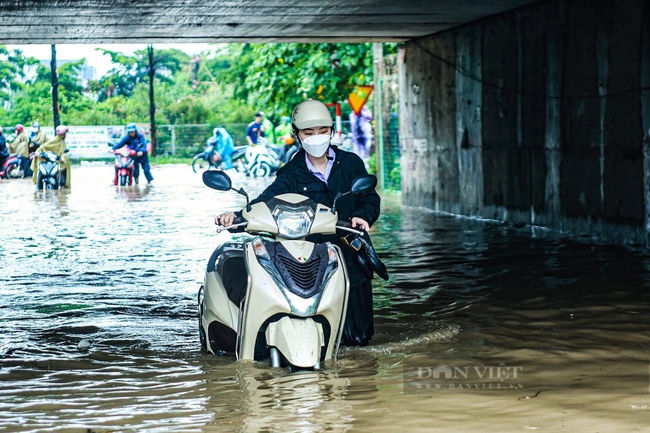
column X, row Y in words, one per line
column 4, row 153
column 137, row 143
column 296, row 178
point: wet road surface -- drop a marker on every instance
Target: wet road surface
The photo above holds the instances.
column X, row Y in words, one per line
column 481, row 327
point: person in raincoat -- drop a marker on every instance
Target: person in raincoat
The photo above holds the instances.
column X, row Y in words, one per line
column 20, row 146
column 56, row 145
column 268, row 128
column 362, row 132
column 36, row 136
column 282, row 130
column 225, row 146
column 4, row 153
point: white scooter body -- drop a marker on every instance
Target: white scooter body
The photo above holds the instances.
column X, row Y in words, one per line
column 260, row 160
column 283, row 299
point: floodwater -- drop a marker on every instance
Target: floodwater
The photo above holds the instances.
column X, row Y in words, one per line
column 482, row 327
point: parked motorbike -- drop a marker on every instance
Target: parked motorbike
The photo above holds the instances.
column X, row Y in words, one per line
column 49, row 175
column 282, row 298
column 15, row 167
column 260, row 160
column 284, row 152
column 124, row 166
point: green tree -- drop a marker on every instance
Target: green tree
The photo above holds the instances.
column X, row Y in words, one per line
column 128, row 71
column 282, row 75
column 34, row 101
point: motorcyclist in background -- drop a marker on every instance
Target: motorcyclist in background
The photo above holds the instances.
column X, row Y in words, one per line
column 4, row 153
column 282, row 129
column 36, row 136
column 20, row 146
column 224, row 145
column 320, row 171
column 137, row 142
column 56, row 145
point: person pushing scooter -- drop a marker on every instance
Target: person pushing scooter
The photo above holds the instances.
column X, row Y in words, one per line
column 320, row 171
column 137, row 142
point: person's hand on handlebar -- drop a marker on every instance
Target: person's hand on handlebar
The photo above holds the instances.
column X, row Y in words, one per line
column 360, row 223
column 225, row 219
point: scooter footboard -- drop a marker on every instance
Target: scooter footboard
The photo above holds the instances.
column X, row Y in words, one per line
column 299, row 340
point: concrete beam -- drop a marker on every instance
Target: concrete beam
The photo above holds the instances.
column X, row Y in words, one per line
column 150, row 21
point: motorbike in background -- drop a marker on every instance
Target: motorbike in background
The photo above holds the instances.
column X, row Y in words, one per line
column 15, row 167
column 210, row 158
column 124, row 166
column 49, row 175
column 286, row 150
column 261, row 160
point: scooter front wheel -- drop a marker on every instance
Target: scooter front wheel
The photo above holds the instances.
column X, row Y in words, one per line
column 123, row 180
column 261, row 170
column 14, row 171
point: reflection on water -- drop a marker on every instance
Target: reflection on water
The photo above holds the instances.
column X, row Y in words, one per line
column 98, row 312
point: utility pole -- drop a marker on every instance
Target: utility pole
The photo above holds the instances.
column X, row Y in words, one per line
column 55, row 88
column 152, row 104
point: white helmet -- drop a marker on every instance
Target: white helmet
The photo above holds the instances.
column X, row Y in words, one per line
column 310, row 114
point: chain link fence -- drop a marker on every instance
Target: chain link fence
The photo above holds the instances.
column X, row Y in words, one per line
column 185, row 141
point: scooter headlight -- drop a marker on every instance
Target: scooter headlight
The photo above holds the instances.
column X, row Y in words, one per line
column 42, row 170
column 293, row 222
column 55, row 169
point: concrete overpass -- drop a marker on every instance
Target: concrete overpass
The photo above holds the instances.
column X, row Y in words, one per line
column 151, row 21
column 530, row 112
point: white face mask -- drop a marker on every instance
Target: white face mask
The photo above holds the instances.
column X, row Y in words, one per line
column 316, row 145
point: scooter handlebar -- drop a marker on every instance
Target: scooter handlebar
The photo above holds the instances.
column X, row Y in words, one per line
column 347, row 226
column 235, row 226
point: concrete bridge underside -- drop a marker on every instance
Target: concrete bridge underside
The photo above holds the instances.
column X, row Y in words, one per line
column 154, row 21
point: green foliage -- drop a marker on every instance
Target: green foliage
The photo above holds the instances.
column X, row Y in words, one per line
column 129, row 71
column 227, row 88
column 372, row 164
column 13, row 66
column 395, row 177
column 282, row 75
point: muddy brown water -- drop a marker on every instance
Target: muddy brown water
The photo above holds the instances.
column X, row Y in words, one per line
column 482, row 327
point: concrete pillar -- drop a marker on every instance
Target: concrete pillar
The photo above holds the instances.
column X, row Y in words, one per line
column 534, row 117
column 645, row 113
column 469, row 141
column 555, row 34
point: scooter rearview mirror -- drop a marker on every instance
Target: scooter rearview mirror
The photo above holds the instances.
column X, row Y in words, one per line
column 217, row 179
column 359, row 184
column 364, row 183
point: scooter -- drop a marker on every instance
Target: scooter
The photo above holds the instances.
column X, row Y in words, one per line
column 14, row 167
column 49, row 175
column 210, row 158
column 283, row 297
column 124, row 166
column 261, row 161
column 284, row 152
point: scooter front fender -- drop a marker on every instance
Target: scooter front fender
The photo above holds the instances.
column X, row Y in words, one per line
column 299, row 340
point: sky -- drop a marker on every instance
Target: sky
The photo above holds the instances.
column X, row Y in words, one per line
column 95, row 58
